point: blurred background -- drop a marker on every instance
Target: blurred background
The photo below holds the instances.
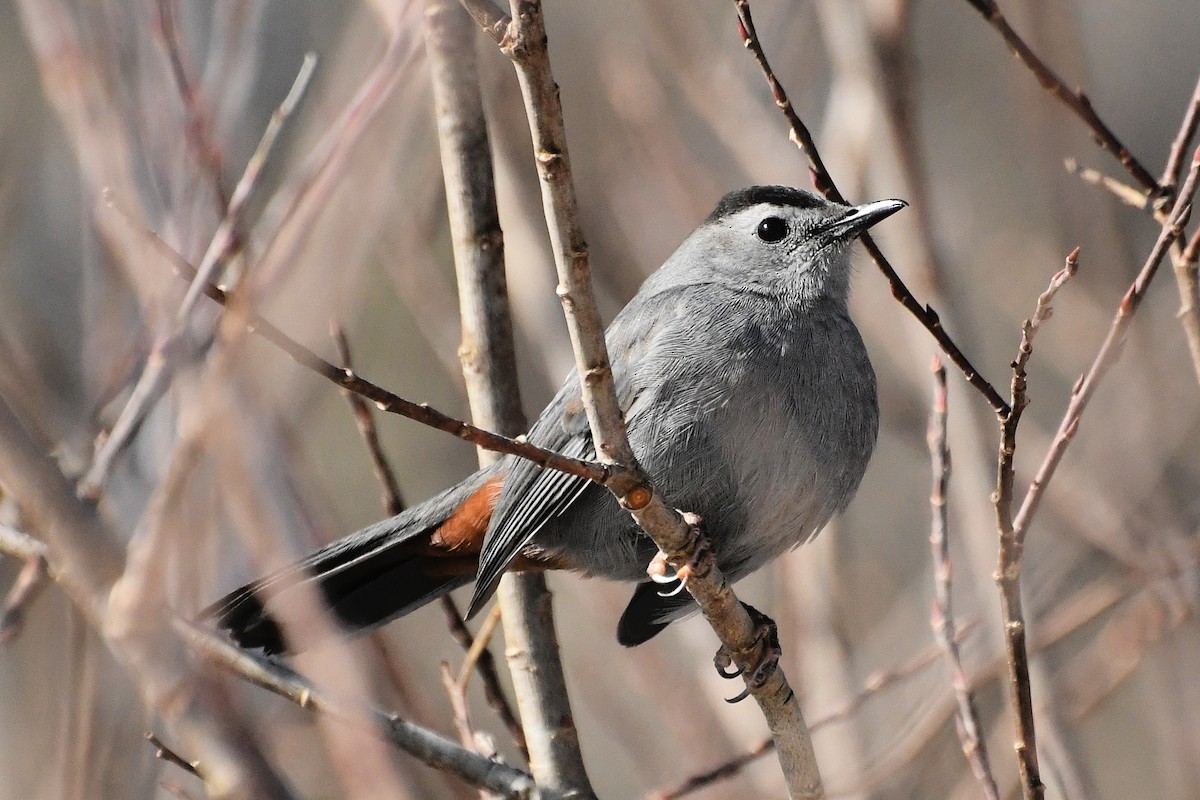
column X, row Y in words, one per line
column 117, row 119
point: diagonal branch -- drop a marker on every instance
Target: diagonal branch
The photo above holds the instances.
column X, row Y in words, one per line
column 425, row 745
column 488, row 356
column 383, row 399
column 823, row 182
column 524, row 41
column 1073, row 99
column 224, row 244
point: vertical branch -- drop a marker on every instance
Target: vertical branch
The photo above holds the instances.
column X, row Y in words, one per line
column 489, row 368
column 942, row 616
column 523, row 40
column 1012, row 546
column 1185, row 267
column 1014, row 529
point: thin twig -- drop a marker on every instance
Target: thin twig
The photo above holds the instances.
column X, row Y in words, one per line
column 167, row 352
column 165, row 753
column 823, row 182
column 703, row 780
column 480, row 646
column 425, row 745
column 1179, row 146
column 457, row 693
column 1129, row 195
column 1012, row 547
column 393, row 501
column 493, row 690
column 1074, row 99
column 942, row 616
column 383, row 399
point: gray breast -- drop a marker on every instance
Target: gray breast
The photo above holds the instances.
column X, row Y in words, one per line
column 798, row 433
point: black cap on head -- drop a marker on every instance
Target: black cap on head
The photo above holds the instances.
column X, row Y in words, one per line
column 776, row 195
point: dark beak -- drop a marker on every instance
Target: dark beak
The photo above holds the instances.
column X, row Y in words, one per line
column 862, row 217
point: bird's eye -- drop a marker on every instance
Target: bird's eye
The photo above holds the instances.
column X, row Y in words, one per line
column 772, row 229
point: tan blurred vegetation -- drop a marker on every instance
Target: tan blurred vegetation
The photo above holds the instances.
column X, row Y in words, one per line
column 664, row 111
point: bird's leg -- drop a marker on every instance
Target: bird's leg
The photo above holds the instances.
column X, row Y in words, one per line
column 700, row 559
column 762, row 657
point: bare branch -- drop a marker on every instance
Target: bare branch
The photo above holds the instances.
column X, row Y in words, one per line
column 942, row 617
column 167, row 353
column 393, row 501
column 526, row 44
column 823, row 182
column 1011, row 548
column 1073, row 99
column 488, row 357
column 431, row 748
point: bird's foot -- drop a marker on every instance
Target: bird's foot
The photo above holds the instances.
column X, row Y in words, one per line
column 661, row 572
column 761, row 658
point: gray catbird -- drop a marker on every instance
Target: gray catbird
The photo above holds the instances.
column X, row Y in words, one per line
column 749, row 399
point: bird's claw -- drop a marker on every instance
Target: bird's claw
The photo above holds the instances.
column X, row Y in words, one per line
column 761, row 658
column 661, row 572
column 723, row 662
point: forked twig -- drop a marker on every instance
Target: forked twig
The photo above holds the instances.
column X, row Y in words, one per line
column 393, row 500
column 1073, row 99
column 223, row 246
column 1011, row 548
column 383, row 399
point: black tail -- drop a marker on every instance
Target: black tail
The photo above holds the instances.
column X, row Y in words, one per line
column 653, row 607
column 367, row 579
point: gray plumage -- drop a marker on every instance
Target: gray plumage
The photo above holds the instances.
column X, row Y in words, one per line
column 748, row 398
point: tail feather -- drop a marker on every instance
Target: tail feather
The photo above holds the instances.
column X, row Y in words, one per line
column 652, row 608
column 367, row 579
